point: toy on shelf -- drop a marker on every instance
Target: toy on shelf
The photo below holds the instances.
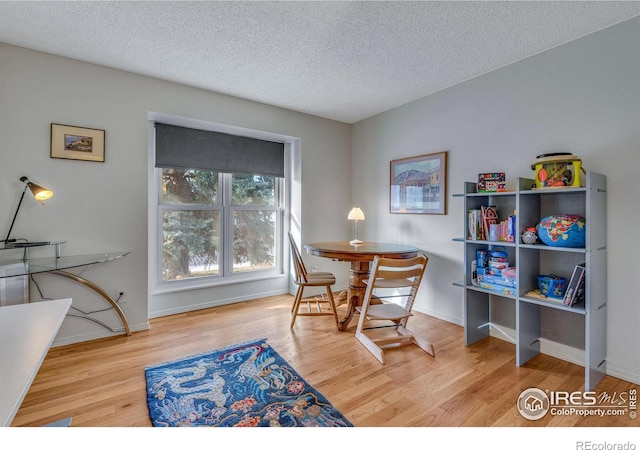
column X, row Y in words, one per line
column 529, row 236
column 555, row 170
column 552, row 286
column 491, row 182
column 562, row 230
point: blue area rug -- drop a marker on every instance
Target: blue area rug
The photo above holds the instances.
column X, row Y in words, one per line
column 246, row 385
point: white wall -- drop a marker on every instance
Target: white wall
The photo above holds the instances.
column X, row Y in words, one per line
column 103, row 207
column 582, row 97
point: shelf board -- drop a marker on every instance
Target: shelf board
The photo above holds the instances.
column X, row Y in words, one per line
column 554, row 303
column 484, row 242
column 542, row 247
column 487, row 291
column 487, row 194
column 553, row 249
column 553, row 190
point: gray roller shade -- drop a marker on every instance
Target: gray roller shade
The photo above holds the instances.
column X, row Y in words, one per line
column 188, row 148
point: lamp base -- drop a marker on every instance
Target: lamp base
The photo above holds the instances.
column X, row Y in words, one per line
column 356, row 242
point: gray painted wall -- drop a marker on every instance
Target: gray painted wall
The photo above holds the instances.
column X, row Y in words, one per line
column 103, row 207
column 582, row 97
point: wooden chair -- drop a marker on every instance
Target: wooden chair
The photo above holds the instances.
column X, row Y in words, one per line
column 311, row 279
column 397, row 279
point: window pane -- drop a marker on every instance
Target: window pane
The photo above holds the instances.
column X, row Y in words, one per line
column 187, row 186
column 254, row 240
column 254, row 190
column 190, row 242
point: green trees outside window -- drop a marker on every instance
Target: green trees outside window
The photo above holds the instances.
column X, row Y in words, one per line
column 217, row 224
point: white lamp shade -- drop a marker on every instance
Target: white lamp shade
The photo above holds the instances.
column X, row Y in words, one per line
column 356, row 214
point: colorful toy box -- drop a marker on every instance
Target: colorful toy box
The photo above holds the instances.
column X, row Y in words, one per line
column 491, row 182
column 555, row 170
column 552, row 286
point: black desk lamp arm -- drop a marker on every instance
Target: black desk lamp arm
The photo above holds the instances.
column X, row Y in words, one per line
column 6, row 240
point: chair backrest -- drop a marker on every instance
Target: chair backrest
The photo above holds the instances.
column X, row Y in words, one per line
column 301, row 271
column 397, row 274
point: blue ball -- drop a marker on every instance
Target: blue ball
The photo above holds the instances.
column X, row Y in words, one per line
column 562, row 230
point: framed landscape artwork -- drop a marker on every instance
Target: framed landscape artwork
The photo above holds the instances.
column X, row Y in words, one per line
column 69, row 142
column 419, row 185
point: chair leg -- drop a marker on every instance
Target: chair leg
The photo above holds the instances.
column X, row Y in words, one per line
column 420, row 342
column 295, row 301
column 371, row 346
column 332, row 304
column 296, row 305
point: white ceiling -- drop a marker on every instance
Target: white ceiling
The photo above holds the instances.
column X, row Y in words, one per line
column 340, row 60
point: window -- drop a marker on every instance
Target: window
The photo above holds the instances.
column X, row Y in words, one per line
column 220, row 205
column 215, row 224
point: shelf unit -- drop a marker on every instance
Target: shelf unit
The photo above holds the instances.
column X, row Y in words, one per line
column 533, row 318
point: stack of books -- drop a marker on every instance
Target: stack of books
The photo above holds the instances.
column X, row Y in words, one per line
column 481, row 220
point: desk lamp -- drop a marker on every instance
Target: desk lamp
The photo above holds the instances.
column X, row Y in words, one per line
column 40, row 193
column 356, row 214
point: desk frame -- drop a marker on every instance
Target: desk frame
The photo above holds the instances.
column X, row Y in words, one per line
column 102, row 294
column 55, row 265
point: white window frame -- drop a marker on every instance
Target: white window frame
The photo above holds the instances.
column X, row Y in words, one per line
column 156, row 283
column 227, row 225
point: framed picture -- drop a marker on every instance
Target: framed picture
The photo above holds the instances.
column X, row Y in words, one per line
column 419, row 185
column 69, row 142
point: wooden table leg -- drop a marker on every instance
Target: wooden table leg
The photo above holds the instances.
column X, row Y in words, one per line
column 358, row 273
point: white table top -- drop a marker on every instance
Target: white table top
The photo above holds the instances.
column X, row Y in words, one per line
column 26, row 334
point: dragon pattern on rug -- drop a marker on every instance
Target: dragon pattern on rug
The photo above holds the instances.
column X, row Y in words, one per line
column 248, row 385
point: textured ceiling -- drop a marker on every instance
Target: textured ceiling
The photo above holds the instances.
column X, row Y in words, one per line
column 340, row 60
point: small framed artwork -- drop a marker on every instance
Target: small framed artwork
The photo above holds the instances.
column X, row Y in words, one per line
column 69, row 142
column 419, row 185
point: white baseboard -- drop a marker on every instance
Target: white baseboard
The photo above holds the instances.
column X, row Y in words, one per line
column 566, row 353
column 213, row 303
column 446, row 318
column 58, row 342
column 548, row 347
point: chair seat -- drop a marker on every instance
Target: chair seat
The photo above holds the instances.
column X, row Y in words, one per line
column 383, row 283
column 386, row 311
column 320, row 278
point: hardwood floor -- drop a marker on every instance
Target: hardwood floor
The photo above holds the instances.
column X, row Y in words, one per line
column 101, row 383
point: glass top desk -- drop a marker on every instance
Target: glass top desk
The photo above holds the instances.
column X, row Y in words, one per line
column 58, row 265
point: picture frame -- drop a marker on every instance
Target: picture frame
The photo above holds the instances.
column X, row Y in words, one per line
column 80, row 143
column 418, row 185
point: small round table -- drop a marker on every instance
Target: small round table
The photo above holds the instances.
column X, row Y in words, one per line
column 360, row 257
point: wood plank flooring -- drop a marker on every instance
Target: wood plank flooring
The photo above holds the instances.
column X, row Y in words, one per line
column 101, row 383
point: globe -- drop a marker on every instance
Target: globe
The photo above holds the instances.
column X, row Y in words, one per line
column 562, row 230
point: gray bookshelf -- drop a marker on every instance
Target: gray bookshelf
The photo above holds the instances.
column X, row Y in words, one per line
column 583, row 325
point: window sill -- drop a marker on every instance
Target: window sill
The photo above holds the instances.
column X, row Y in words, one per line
column 211, row 283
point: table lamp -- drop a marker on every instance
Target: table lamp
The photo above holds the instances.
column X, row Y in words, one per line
column 40, row 193
column 356, row 214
